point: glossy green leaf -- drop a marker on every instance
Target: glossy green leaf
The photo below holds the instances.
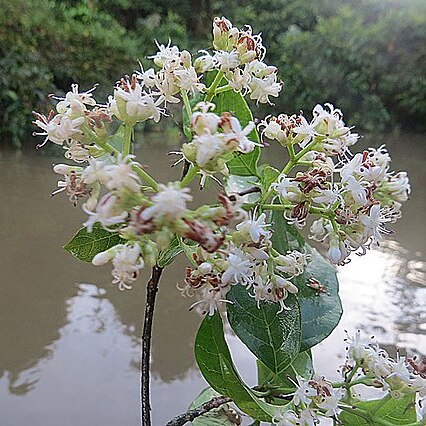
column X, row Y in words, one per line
column 166, row 257
column 396, row 412
column 216, row 417
column 233, row 102
column 320, row 312
column 268, row 175
column 215, row 363
column 85, row 245
column 301, row 366
column 272, row 336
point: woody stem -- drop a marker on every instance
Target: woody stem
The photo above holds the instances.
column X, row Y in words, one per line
column 151, row 293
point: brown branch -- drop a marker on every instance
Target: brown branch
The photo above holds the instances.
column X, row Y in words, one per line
column 196, row 412
column 251, row 190
column 151, row 292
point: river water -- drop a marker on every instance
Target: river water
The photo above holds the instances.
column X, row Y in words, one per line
column 69, row 340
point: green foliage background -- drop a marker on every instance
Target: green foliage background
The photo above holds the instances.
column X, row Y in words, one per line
column 366, row 56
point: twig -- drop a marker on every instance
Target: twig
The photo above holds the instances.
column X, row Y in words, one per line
column 196, row 412
column 151, row 292
column 185, row 169
column 251, row 190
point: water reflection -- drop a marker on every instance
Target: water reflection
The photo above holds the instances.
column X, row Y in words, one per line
column 70, row 352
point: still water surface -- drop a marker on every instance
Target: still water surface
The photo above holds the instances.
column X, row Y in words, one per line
column 69, row 341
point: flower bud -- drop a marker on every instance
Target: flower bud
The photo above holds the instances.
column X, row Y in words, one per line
column 221, row 27
column 103, row 257
column 205, row 268
column 65, row 169
column 185, row 57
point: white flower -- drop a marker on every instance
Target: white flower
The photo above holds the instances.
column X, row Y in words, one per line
column 256, row 228
column 209, row 146
column 122, row 175
column 204, row 121
column 373, row 223
column 107, row 213
column 358, row 350
column 329, row 403
column 77, row 152
column 319, row 230
column 396, row 187
column 284, row 284
column 204, row 63
column 139, row 105
column 239, row 135
column 95, row 172
column 188, row 80
column 226, row 60
column 305, row 130
column 378, row 362
column 288, row 189
column 262, row 88
column 326, row 196
column 293, row 263
column 239, row 79
column 399, row 369
column 147, row 78
column 69, row 128
column 352, row 167
column 127, row 261
column 58, row 128
column 419, row 384
column 75, row 100
column 338, row 251
column 169, row 202
column 286, row 418
column 358, row 192
column 165, row 54
column 239, row 270
column 308, row 418
column 211, row 298
column 304, row 392
column 273, row 130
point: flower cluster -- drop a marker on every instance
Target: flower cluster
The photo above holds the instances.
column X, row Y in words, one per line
column 246, row 257
column 355, row 196
column 215, row 139
column 239, row 55
column 401, row 376
column 317, row 397
column 352, row 198
column 77, row 122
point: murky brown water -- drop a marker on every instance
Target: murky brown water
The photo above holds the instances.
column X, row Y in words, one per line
column 69, row 341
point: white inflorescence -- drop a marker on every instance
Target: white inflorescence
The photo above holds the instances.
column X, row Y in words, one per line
column 351, row 198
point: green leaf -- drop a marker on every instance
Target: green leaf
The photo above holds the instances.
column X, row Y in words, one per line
column 272, row 336
column 320, row 312
column 236, row 183
column 117, row 139
column 396, row 412
column 233, row 102
column 216, row 417
column 166, row 257
column 215, row 363
column 244, row 164
column 268, row 176
column 85, row 245
column 302, row 366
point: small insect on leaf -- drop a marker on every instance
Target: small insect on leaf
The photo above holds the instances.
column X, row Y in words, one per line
column 316, row 285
